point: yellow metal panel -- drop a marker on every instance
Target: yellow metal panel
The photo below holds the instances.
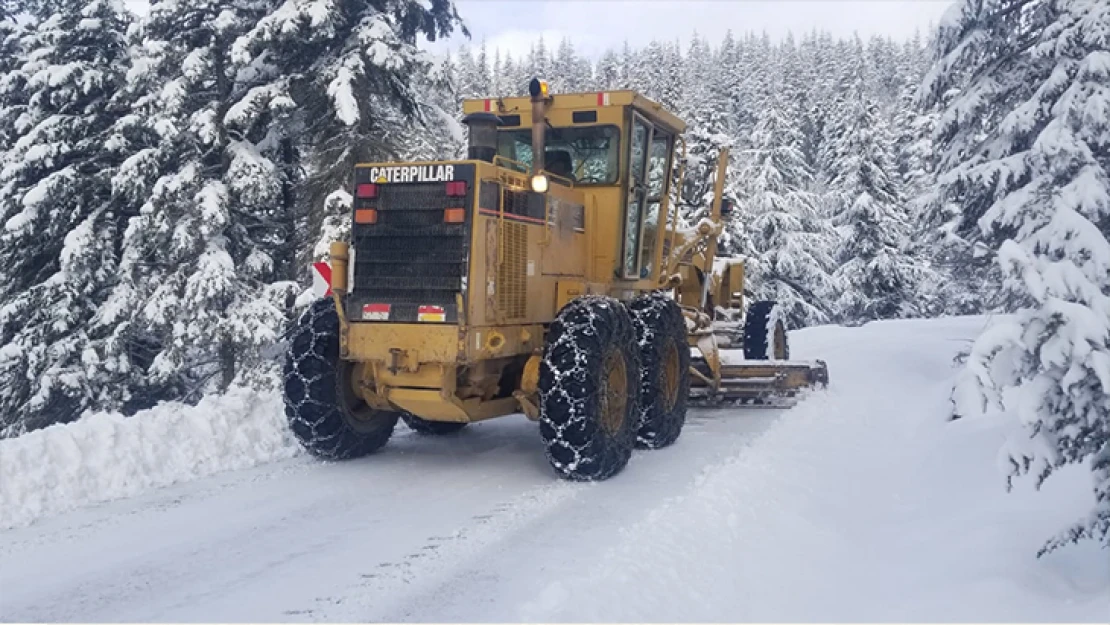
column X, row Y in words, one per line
column 569, row 290
column 426, row 376
column 427, row 404
column 430, row 405
column 563, row 246
column 425, row 342
column 510, row 341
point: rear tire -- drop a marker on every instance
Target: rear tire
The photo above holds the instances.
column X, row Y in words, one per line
column 589, row 389
column 323, row 411
column 431, row 428
column 765, row 332
column 665, row 379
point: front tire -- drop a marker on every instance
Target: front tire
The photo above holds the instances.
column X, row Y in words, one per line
column 665, row 381
column 765, row 332
column 325, row 414
column 431, row 428
column 589, row 389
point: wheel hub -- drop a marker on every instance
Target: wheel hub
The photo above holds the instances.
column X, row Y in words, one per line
column 671, row 377
column 614, row 394
column 355, row 407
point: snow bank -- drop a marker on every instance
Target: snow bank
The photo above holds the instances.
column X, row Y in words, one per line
column 861, row 504
column 108, row 456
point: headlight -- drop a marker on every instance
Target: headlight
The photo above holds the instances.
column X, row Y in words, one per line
column 539, row 183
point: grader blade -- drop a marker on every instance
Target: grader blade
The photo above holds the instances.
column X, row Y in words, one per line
column 768, row 383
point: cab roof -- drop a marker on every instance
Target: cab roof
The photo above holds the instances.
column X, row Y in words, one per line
column 581, row 101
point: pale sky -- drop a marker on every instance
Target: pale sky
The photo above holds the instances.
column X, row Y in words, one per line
column 594, row 25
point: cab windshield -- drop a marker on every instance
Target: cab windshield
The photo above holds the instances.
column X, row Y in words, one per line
column 587, row 155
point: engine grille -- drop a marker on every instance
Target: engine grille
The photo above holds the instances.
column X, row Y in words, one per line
column 512, row 294
column 410, row 259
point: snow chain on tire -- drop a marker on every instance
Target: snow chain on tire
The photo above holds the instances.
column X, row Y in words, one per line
column 759, row 331
column 665, row 378
column 589, row 429
column 431, row 428
column 323, row 411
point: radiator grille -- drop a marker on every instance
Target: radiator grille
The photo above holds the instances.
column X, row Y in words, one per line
column 410, row 257
column 512, row 293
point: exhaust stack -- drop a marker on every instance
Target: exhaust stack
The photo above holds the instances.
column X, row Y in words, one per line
column 482, row 136
column 538, row 90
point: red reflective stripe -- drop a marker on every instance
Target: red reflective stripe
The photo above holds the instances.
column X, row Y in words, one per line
column 430, row 309
column 601, row 99
column 375, row 308
column 324, row 269
column 489, row 105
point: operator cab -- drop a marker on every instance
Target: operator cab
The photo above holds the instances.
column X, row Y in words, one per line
column 617, row 146
column 591, row 156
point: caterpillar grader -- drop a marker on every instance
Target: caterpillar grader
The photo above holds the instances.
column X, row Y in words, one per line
column 547, row 274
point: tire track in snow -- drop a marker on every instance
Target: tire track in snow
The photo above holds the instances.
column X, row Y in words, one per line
column 385, row 592
column 554, row 544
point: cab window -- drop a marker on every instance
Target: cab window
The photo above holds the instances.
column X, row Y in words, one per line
column 588, row 155
column 659, row 158
column 637, row 196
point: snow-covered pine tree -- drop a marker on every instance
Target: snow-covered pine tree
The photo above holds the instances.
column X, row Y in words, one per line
column 209, row 203
column 849, row 84
column 939, row 291
column 481, row 73
column 648, row 70
column 802, row 85
column 13, row 96
column 349, row 66
column 58, row 243
column 538, row 62
column 608, row 73
column 563, row 78
column 698, row 72
column 1025, row 151
column 441, row 134
column 757, row 81
column 466, row 78
column 730, row 80
column 913, row 144
column 496, row 75
column 875, row 277
column 671, row 93
column 627, row 66
column 706, row 111
column 517, row 76
column 444, row 130
column 791, row 242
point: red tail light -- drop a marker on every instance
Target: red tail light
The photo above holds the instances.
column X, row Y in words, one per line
column 366, row 191
column 456, row 188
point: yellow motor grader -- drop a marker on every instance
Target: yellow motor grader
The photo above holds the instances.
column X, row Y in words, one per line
column 546, row 274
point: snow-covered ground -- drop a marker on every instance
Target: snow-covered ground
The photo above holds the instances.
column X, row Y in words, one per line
column 107, row 456
column 860, row 504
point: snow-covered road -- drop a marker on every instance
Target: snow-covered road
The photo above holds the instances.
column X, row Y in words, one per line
column 859, row 504
column 429, row 529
